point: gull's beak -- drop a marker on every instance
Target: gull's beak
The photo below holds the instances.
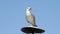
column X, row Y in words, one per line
column 28, row 8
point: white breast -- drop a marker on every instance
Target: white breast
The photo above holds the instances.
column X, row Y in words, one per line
column 28, row 13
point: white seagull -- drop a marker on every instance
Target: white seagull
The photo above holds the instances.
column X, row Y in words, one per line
column 30, row 17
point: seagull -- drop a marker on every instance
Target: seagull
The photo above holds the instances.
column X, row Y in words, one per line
column 30, row 17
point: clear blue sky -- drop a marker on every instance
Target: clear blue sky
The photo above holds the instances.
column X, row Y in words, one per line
column 12, row 15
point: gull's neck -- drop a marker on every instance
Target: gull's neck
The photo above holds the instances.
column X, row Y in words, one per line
column 28, row 12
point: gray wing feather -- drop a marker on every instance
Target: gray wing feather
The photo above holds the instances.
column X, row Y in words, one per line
column 33, row 19
column 30, row 19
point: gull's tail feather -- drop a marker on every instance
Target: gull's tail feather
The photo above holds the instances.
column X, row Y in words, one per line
column 35, row 25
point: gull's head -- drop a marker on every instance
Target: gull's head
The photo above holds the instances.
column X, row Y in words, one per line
column 28, row 8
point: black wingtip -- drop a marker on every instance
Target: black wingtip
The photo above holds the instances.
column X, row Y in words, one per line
column 35, row 25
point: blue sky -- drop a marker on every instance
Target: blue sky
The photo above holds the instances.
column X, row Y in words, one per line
column 12, row 15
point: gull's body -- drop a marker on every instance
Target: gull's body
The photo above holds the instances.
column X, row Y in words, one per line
column 30, row 17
